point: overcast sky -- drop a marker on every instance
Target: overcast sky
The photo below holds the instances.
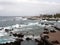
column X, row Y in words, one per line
column 28, row 7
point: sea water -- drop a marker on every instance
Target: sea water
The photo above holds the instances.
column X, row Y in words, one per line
column 30, row 42
column 27, row 27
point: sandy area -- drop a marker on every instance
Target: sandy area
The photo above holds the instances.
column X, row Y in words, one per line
column 54, row 36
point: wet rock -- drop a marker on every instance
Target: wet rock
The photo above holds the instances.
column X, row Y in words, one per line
column 55, row 42
column 28, row 39
column 37, row 40
column 52, row 31
column 18, row 35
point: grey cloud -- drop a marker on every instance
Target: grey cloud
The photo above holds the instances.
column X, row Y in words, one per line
column 26, row 9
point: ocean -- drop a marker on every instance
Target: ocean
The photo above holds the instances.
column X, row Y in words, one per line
column 25, row 25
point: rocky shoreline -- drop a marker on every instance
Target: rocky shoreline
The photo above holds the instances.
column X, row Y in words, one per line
column 46, row 38
column 43, row 39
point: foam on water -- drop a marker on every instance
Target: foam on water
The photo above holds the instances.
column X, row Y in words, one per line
column 7, row 39
column 33, row 23
column 3, row 34
column 23, row 25
column 43, row 20
column 58, row 21
column 20, row 18
column 16, row 26
column 25, row 19
column 32, row 37
column 29, row 24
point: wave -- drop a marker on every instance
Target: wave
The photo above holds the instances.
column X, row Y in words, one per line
column 58, row 21
column 20, row 18
column 32, row 37
column 33, row 23
column 25, row 25
column 43, row 20
column 3, row 34
column 15, row 26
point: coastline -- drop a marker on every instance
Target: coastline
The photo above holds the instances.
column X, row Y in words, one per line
column 15, row 31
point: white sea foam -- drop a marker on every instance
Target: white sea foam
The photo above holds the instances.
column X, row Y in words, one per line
column 33, row 23
column 58, row 21
column 23, row 25
column 2, row 30
column 24, row 18
column 16, row 26
column 43, row 20
column 36, row 23
column 3, row 34
column 7, row 27
column 32, row 37
column 29, row 24
column 20, row 18
column 41, row 25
